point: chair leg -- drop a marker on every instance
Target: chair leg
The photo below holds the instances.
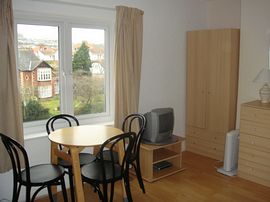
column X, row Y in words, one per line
column 50, row 193
column 139, row 174
column 127, row 187
column 15, row 191
column 71, row 185
column 64, row 190
column 105, row 192
column 100, row 195
column 28, row 193
column 112, row 192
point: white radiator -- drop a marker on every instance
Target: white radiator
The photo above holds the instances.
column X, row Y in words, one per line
column 230, row 154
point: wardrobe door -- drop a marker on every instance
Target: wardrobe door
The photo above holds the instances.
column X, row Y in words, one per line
column 197, row 56
column 221, row 81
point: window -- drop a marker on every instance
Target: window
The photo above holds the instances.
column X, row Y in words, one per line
column 88, row 87
column 68, row 71
column 44, row 74
column 44, row 91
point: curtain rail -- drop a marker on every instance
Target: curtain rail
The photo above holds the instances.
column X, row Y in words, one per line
column 76, row 4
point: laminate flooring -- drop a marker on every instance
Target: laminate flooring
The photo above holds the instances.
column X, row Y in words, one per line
column 199, row 182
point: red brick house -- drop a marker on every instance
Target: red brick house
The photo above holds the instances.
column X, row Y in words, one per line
column 37, row 78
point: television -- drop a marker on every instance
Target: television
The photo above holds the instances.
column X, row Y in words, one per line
column 159, row 127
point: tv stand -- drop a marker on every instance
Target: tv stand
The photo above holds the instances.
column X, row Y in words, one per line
column 151, row 154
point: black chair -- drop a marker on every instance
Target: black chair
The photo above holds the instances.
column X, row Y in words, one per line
column 104, row 172
column 128, row 125
column 85, row 158
column 43, row 175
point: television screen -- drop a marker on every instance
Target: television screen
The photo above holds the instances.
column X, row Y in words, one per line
column 165, row 122
column 159, row 126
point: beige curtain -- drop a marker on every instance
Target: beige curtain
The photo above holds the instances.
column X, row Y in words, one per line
column 10, row 107
column 128, row 57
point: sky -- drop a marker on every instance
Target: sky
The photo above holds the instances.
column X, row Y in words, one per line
column 51, row 32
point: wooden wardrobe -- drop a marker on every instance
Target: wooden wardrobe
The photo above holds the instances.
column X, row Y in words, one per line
column 212, row 83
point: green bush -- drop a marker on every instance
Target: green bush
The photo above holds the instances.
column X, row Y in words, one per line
column 89, row 108
column 33, row 110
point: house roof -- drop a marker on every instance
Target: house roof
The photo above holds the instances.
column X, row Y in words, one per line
column 28, row 61
column 46, row 50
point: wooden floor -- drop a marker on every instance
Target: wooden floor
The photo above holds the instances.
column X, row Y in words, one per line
column 198, row 183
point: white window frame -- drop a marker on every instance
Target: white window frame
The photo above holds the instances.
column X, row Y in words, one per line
column 46, row 73
column 65, row 63
column 44, row 91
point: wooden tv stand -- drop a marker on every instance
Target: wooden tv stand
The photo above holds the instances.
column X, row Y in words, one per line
column 151, row 154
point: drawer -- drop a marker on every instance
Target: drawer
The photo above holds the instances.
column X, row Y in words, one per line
column 254, row 142
column 253, row 155
column 254, row 169
column 204, row 147
column 202, row 150
column 203, row 134
column 206, row 143
column 255, row 128
column 255, row 114
column 254, row 172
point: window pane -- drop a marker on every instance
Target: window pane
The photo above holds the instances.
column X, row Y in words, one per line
column 38, row 66
column 88, row 68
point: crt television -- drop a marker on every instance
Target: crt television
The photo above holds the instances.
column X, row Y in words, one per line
column 159, row 127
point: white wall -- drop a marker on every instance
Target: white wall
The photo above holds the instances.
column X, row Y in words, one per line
column 254, row 51
column 223, row 14
column 163, row 79
column 164, row 55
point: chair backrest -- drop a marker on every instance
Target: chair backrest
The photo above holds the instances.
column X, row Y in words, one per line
column 132, row 123
column 18, row 157
column 127, row 141
column 67, row 118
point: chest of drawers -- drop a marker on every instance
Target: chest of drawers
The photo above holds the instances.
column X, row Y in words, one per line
column 254, row 147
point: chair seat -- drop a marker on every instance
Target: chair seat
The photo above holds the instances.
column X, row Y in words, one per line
column 43, row 174
column 93, row 171
column 85, row 158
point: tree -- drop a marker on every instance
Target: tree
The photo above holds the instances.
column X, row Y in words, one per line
column 81, row 59
column 89, row 94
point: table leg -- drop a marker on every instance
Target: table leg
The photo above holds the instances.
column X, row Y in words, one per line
column 74, row 151
column 54, row 161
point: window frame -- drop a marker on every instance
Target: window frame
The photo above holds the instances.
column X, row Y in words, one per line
column 65, row 64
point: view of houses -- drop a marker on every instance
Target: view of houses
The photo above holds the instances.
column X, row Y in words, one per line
column 39, row 68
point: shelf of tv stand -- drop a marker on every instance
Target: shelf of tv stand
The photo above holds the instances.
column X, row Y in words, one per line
column 151, row 154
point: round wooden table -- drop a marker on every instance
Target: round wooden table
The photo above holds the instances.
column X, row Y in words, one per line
column 75, row 139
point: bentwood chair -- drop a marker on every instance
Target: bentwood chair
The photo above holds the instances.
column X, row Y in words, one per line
column 104, row 172
column 42, row 176
column 85, row 158
column 128, row 125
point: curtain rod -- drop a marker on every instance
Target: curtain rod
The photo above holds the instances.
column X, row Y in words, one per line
column 76, row 4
